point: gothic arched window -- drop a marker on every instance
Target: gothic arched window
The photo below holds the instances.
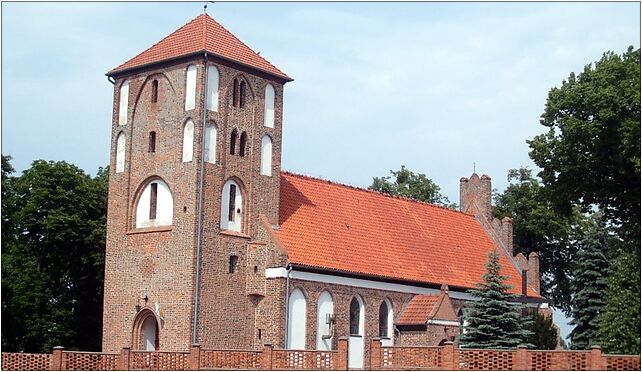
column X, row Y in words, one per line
column 325, row 312
column 120, row 153
column 296, row 320
column 155, row 205
column 190, row 88
column 231, row 202
column 268, row 119
column 243, row 144
column 266, row 155
column 122, row 105
column 212, row 88
column 188, row 141
column 210, row 144
column 233, row 137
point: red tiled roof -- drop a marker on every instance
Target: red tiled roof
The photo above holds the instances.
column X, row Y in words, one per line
column 337, row 227
column 418, row 310
column 202, row 34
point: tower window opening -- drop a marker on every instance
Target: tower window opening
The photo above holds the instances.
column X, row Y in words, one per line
column 153, row 200
column 235, row 93
column 242, row 95
column 155, row 91
column 152, row 141
column 233, row 262
column 232, row 204
column 233, row 142
column 256, row 269
column 242, row 144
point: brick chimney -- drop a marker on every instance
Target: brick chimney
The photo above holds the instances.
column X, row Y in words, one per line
column 475, row 194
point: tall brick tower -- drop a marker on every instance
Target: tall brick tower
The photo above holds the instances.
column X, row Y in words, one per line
column 195, row 165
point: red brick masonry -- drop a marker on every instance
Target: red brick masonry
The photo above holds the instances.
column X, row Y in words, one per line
column 381, row 358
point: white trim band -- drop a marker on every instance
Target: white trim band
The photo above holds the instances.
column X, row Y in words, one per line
column 444, row 322
column 281, row 272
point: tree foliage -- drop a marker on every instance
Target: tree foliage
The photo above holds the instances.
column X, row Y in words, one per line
column 589, row 283
column 544, row 334
column 591, row 153
column 406, row 183
column 619, row 323
column 538, row 227
column 494, row 320
column 52, row 264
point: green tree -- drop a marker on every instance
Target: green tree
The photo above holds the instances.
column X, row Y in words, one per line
column 619, row 323
column 494, row 319
column 538, row 227
column 589, row 283
column 406, row 183
column 544, row 334
column 591, row 152
column 52, row 266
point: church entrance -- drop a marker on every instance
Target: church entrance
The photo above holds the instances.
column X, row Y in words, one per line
column 145, row 332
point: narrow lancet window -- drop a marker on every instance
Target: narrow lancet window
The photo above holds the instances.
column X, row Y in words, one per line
column 242, row 144
column 155, row 91
column 233, row 141
column 152, row 142
column 190, row 88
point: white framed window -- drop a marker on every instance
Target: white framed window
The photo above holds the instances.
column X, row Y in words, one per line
column 188, row 141
column 124, row 101
column 231, row 202
column 120, row 152
column 190, row 88
column 385, row 323
column 155, row 205
column 296, row 320
column 210, row 144
column 325, row 313
column 212, row 88
column 268, row 120
column 266, row 155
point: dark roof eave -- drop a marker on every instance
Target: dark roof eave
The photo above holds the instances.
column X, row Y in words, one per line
column 116, row 71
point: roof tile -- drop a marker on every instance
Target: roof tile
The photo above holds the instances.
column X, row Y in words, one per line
column 202, row 33
column 332, row 226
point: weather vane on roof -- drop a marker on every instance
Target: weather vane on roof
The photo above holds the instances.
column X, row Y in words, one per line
column 473, row 167
column 205, row 6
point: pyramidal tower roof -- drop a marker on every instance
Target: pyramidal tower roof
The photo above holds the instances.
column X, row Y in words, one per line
column 199, row 35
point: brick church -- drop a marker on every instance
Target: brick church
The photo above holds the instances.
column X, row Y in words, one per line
column 210, row 242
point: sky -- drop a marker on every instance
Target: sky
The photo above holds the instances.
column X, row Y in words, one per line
column 438, row 87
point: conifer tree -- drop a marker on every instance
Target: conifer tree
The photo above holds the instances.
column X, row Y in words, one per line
column 619, row 322
column 589, row 284
column 495, row 320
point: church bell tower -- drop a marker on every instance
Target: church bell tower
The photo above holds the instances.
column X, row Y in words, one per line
column 195, row 166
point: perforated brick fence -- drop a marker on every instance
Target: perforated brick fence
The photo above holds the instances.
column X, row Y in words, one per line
column 445, row 357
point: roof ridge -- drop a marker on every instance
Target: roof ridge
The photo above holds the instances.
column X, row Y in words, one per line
column 158, row 42
column 363, row 189
column 241, row 41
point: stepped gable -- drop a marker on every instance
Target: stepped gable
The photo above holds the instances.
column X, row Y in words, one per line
column 336, row 227
column 201, row 34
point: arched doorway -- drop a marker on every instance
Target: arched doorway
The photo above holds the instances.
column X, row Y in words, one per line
column 145, row 335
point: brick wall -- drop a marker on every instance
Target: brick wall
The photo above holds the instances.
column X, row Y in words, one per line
column 445, row 357
column 160, row 262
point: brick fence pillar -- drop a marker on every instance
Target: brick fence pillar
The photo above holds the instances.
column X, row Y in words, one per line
column 123, row 359
column 449, row 357
column 596, row 361
column 266, row 357
column 522, row 359
column 341, row 364
column 194, row 361
column 375, row 354
column 56, row 358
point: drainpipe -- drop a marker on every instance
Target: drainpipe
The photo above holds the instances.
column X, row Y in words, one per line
column 398, row 332
column 524, row 292
column 287, row 302
column 111, row 80
column 199, row 232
